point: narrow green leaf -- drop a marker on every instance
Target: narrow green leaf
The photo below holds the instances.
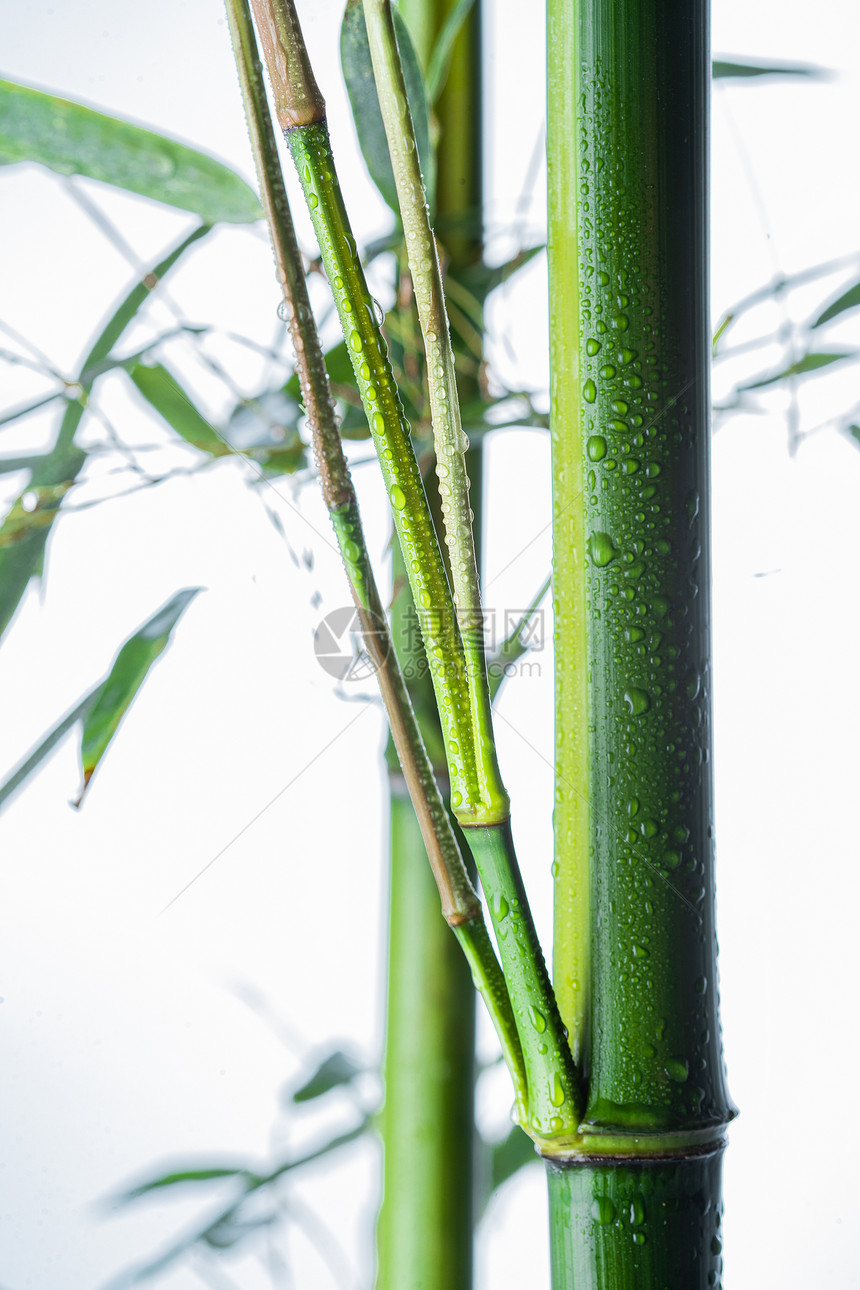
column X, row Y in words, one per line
column 33, row 760
column 23, row 538
column 480, row 279
column 854, row 432
column 76, row 140
column 181, row 1176
column 440, row 59
column 848, row 300
column 333, row 1072
column 24, row 531
column 360, row 85
column 742, row 71
column 809, row 363
column 164, row 393
column 128, row 673
column 509, row 1156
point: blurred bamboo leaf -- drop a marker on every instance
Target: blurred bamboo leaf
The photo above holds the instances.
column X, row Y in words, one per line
column 101, row 709
column 164, row 393
column 75, row 140
column 180, row 1176
column 334, row 1071
column 509, row 1156
column 125, row 678
column 850, row 299
column 803, row 366
column 360, row 85
column 480, row 279
column 25, row 528
column 743, row 71
column 34, row 759
column 23, row 541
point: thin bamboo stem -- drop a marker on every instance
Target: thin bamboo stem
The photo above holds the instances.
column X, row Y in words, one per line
column 449, row 440
column 460, row 904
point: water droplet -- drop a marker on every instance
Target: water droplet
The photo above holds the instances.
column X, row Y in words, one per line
column 355, row 341
column 426, row 601
column 351, row 550
column 638, row 951
column 633, row 807
column 620, row 322
column 456, row 799
column 607, row 372
column 285, row 311
column 313, row 201
column 638, row 701
column 398, row 501
column 639, row 1238
column 671, row 859
column 538, row 1020
column 589, row 391
column 500, row 908
column 603, row 278
column 637, row 1211
column 603, row 1210
column 596, row 447
column 592, row 347
column 602, row 549
column 677, row 1069
column 338, row 283
column 556, row 1094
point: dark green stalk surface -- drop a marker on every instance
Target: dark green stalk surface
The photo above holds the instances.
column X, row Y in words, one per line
column 629, row 90
column 648, row 1224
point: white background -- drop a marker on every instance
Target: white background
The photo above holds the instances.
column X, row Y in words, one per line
column 134, row 1039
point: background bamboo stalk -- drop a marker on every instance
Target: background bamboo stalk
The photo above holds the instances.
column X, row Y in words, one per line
column 428, row 1166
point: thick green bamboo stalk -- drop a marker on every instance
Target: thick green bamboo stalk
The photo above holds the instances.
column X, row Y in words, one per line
column 640, row 1223
column 635, row 955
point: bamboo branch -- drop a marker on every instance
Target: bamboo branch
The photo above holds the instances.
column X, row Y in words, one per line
column 460, row 904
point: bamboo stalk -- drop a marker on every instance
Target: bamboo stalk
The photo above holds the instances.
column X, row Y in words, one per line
column 460, row 904
column 635, row 947
column 424, row 1232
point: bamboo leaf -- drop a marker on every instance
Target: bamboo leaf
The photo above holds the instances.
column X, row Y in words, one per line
column 25, row 529
column 509, row 1156
column 334, row 1071
column 803, row 366
column 180, row 1176
column 850, row 299
column 72, row 139
column 360, row 85
column 480, row 279
column 33, row 760
column 440, row 59
column 128, row 673
column 854, row 432
column 164, row 393
column 722, row 70
column 22, row 539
